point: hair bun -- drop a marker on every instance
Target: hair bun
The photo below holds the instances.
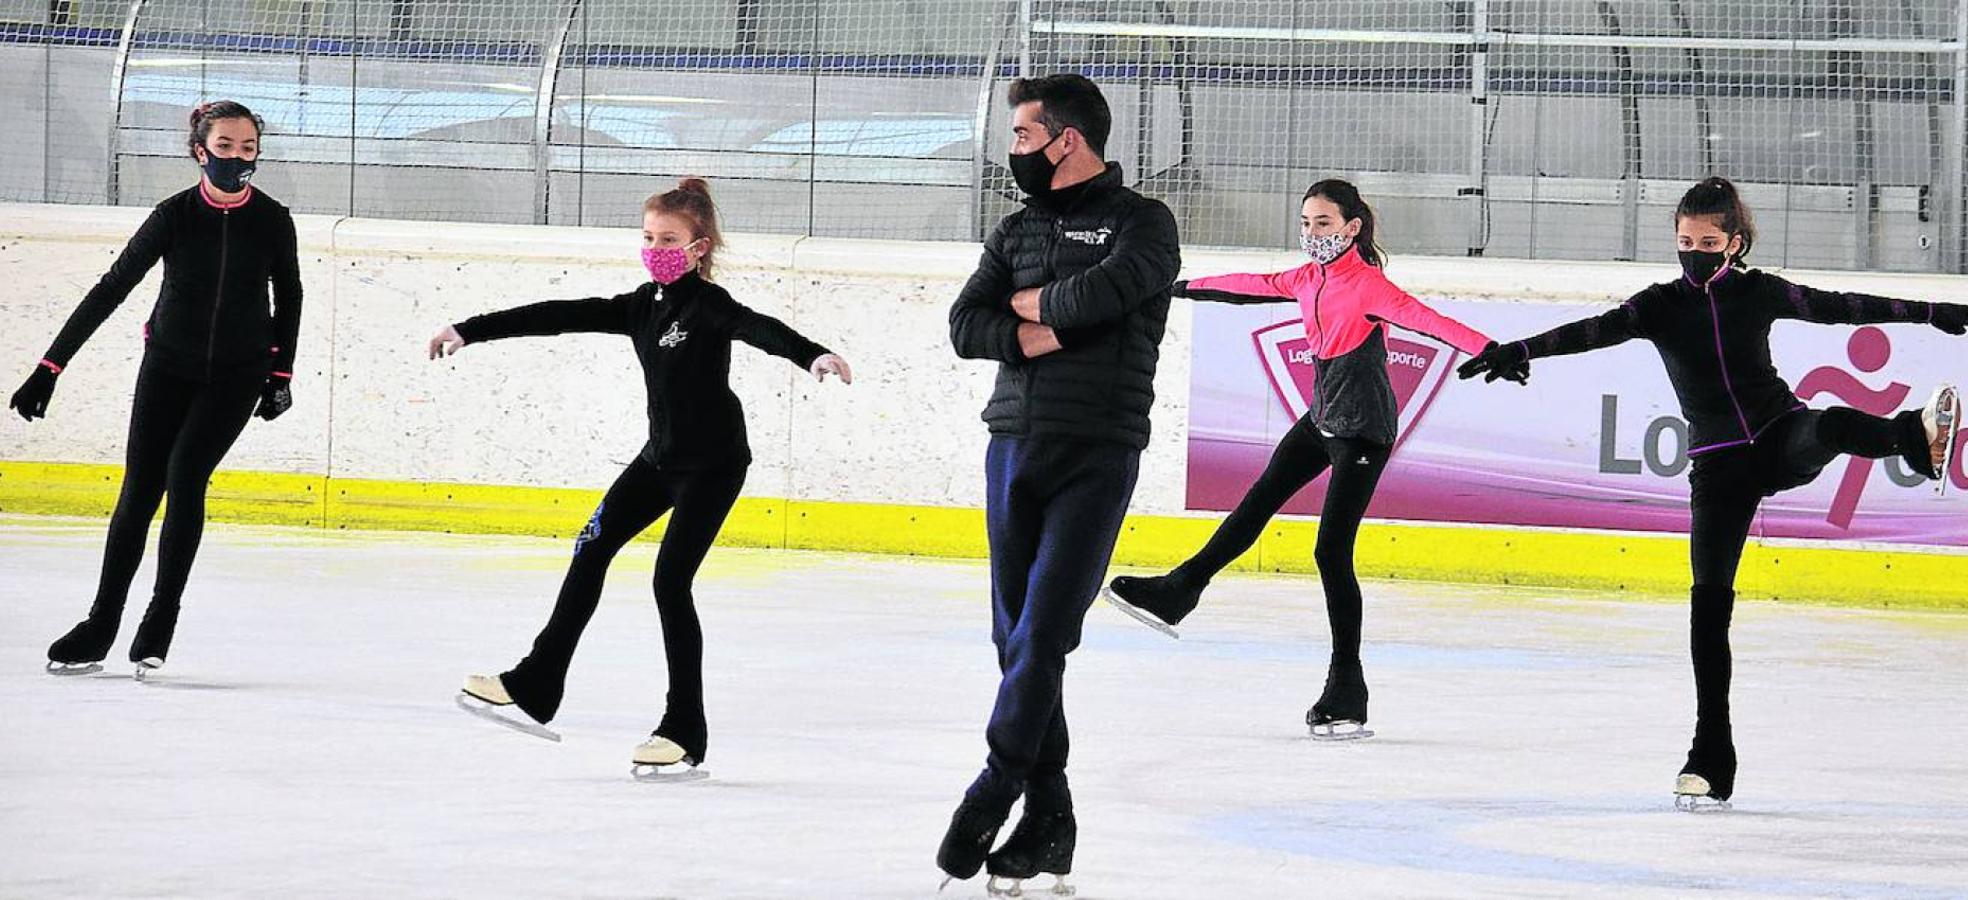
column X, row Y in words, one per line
column 694, row 185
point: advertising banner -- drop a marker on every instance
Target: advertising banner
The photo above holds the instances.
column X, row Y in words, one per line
column 1595, row 441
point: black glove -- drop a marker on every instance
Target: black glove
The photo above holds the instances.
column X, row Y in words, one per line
column 1506, row 361
column 1951, row 318
column 32, row 398
column 275, row 398
column 1180, row 288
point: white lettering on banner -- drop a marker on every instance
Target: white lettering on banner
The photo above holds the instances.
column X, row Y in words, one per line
column 1404, row 358
column 1394, row 358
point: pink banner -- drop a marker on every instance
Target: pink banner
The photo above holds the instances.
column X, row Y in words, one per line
column 1596, row 440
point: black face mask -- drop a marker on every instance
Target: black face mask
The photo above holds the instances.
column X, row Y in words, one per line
column 228, row 173
column 1033, row 171
column 1700, row 266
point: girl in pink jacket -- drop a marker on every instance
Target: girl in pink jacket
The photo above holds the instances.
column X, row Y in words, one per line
column 1347, row 303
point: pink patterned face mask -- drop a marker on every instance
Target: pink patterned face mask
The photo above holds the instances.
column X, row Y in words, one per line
column 666, row 264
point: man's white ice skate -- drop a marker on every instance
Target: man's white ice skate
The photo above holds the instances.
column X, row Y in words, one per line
column 1942, row 417
column 1012, row 887
column 1137, row 613
column 485, row 696
column 72, row 669
column 1340, row 730
column 146, row 666
column 1691, row 795
column 660, row 759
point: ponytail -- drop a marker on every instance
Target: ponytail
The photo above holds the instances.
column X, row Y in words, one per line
column 1716, row 196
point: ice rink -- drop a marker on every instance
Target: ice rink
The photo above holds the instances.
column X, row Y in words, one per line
column 303, row 742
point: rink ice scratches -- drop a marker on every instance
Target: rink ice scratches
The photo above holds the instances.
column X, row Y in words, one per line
column 1502, row 839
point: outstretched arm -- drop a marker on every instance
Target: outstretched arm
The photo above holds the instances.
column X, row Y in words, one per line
column 1842, row 308
column 603, row 315
column 1398, row 307
column 143, row 251
column 1243, row 289
column 774, row 337
column 1616, row 326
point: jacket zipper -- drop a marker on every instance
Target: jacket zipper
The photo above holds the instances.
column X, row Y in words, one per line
column 218, row 300
column 1715, row 319
column 1318, row 322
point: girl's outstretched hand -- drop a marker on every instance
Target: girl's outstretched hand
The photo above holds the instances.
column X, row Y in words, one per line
column 829, row 364
column 1505, row 361
column 446, row 343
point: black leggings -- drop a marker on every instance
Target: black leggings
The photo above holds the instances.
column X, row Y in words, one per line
column 180, row 430
column 698, row 503
column 1303, row 455
column 1727, row 487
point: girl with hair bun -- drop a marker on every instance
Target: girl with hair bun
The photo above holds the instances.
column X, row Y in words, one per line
column 682, row 325
column 1749, row 436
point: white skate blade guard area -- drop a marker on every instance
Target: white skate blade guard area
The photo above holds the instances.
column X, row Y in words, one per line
column 61, row 670
column 674, row 774
column 1342, row 730
column 506, row 715
column 1138, row 614
column 302, row 742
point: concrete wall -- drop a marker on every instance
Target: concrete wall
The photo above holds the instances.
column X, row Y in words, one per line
column 568, row 412
column 521, row 435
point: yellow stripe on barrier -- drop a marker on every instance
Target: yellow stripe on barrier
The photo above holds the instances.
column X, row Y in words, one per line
column 1601, row 561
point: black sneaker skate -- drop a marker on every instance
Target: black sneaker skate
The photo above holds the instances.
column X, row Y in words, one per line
column 1341, row 713
column 1160, row 603
column 974, row 827
column 1041, row 844
column 82, row 650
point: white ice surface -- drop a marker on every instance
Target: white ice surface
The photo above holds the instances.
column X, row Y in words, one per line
column 302, row 741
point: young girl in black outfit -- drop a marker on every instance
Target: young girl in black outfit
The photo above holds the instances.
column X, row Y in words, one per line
column 1750, row 438
column 693, row 466
column 215, row 355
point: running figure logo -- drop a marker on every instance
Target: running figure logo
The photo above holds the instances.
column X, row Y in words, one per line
column 1869, row 350
column 672, row 337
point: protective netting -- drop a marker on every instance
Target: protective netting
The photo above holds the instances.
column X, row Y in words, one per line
column 1524, row 128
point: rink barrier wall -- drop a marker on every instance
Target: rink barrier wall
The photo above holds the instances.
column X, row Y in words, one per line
column 517, row 438
column 1608, row 562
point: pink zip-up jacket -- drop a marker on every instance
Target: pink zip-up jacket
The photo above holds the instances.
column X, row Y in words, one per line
column 1347, row 305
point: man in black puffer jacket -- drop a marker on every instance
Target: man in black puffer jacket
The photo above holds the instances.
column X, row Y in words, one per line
column 1071, row 298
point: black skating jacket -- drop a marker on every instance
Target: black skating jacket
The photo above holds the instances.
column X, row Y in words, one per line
column 682, row 334
column 1715, row 343
column 212, row 316
column 1106, row 257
